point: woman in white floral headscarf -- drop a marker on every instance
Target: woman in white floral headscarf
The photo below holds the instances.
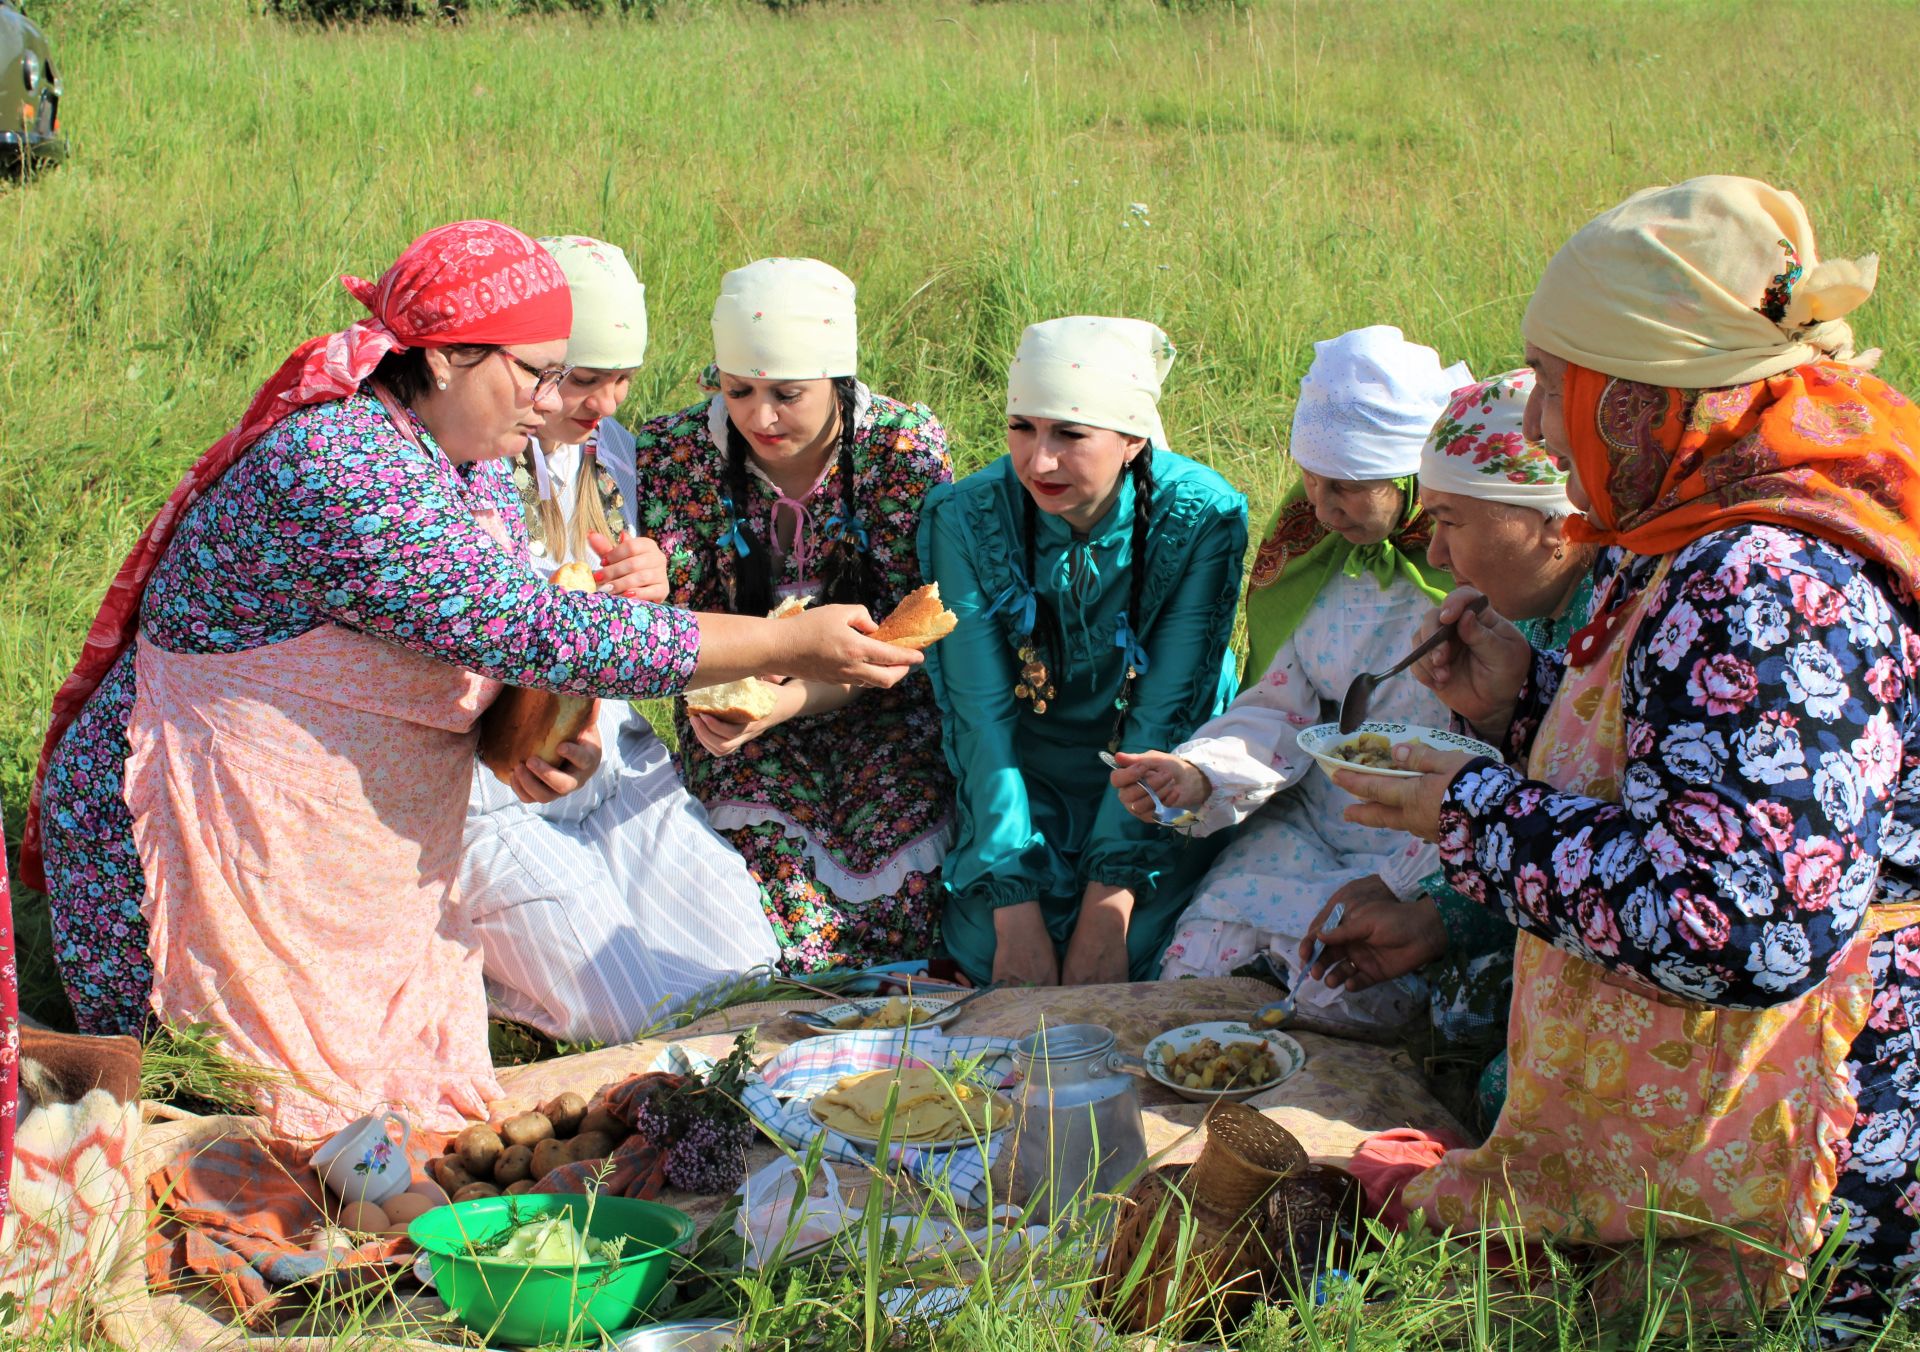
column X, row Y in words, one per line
column 602, row 897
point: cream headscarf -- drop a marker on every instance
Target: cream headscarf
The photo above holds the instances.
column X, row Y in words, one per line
column 1092, row 370
column 1367, row 404
column 1478, row 448
column 609, row 303
column 1710, row 283
column 785, row 319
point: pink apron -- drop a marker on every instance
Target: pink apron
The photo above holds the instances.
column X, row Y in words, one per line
column 1735, row 1116
column 299, row 810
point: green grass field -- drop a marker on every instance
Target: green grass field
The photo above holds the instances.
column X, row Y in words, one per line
column 1299, row 168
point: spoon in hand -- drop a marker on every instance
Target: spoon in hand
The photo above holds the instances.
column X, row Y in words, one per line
column 1353, row 708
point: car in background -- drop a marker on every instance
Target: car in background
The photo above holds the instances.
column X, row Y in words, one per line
column 30, row 133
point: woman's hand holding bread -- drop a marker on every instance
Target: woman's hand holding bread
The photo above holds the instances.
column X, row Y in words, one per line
column 536, row 780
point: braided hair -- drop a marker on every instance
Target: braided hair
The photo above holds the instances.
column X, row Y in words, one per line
column 847, row 571
column 1046, row 635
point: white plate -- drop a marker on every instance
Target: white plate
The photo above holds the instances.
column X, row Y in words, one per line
column 1289, row 1055
column 930, row 1012
column 1318, row 741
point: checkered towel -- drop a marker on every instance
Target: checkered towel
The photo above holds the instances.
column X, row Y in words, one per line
column 778, row 1096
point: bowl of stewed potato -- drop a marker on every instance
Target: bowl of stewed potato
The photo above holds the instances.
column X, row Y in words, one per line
column 1222, row 1060
column 1368, row 749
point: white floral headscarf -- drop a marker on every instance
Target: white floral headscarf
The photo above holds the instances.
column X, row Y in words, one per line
column 1478, row 449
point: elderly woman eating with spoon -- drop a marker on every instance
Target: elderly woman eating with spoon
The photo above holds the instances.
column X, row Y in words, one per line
column 1711, row 849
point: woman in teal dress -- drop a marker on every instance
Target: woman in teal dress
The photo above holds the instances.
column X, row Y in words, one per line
column 1497, row 505
column 1095, row 576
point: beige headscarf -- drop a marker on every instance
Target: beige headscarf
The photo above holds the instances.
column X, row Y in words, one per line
column 609, row 303
column 1709, row 283
column 1095, row 371
column 786, row 319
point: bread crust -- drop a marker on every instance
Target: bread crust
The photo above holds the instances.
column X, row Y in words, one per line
column 919, row 621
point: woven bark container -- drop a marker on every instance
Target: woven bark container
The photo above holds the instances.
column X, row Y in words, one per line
column 1229, row 1262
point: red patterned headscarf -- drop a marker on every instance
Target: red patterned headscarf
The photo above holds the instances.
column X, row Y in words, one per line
column 469, row 282
column 1826, row 449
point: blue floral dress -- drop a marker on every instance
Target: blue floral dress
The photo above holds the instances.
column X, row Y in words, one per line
column 332, row 517
column 1771, row 793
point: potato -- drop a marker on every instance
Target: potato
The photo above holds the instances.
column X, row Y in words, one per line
column 548, row 1156
column 590, row 1145
column 515, row 1189
column 407, row 1207
column 450, row 1173
column 479, row 1148
column 362, row 1218
column 474, row 1190
column 604, row 1122
column 528, row 1129
column 566, row 1112
column 514, row 1164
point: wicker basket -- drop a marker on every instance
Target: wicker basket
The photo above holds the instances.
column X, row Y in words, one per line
column 1315, row 1210
column 1230, row 1261
column 1244, row 1159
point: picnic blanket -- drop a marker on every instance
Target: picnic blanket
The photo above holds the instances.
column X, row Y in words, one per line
column 1347, row 1092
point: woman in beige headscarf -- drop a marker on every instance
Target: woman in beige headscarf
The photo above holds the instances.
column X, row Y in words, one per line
column 602, row 898
column 795, row 482
column 1713, row 848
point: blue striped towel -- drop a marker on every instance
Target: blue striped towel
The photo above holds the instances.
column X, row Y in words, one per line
column 778, row 1095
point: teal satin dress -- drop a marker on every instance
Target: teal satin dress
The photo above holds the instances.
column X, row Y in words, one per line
column 1037, row 818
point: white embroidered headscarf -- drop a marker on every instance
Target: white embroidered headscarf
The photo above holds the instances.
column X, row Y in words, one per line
column 609, row 303
column 1478, row 449
column 786, row 319
column 1367, row 404
column 1092, row 370
column 1711, row 282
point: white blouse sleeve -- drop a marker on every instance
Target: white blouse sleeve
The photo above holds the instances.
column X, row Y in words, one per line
column 1251, row 752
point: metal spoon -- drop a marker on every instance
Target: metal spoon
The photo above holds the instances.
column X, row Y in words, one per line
column 1166, row 816
column 1353, row 707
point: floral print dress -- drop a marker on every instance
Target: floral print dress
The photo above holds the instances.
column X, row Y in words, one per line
column 1770, row 794
column 843, row 817
column 333, row 517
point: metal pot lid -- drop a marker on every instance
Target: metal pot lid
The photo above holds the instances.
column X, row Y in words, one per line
column 1068, row 1042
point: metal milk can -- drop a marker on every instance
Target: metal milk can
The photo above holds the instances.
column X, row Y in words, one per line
column 1079, row 1130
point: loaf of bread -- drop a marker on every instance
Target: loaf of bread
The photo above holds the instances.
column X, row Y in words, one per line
column 919, row 621
column 523, row 722
column 743, row 701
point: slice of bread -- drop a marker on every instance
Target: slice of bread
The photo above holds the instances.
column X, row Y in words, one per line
column 744, row 700
column 736, row 701
column 919, row 621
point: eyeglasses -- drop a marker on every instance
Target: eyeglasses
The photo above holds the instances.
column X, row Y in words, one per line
column 545, row 382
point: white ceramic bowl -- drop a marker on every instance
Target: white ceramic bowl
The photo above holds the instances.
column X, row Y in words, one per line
column 1322, row 739
column 1289, row 1055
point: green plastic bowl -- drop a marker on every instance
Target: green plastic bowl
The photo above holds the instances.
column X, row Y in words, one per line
column 530, row 1304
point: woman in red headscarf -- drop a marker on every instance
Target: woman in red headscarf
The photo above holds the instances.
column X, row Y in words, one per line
column 252, row 795
column 1710, row 837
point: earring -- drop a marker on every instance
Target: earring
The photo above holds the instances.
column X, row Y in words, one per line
column 1560, row 553
column 443, row 385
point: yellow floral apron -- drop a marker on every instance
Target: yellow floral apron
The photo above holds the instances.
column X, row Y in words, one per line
column 1618, row 1090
